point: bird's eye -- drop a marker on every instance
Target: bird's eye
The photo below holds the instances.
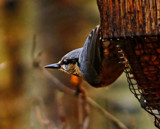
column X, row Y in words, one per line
column 65, row 61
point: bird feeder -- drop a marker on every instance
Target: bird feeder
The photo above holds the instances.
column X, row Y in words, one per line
column 133, row 26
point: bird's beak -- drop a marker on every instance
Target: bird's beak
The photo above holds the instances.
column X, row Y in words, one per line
column 53, row 66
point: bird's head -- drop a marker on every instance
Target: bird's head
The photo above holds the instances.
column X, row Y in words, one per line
column 69, row 63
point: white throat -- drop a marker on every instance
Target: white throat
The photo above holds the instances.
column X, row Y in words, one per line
column 71, row 69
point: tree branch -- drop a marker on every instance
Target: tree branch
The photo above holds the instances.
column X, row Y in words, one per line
column 60, row 86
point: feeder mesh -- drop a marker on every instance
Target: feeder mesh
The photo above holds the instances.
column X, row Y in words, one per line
column 141, row 56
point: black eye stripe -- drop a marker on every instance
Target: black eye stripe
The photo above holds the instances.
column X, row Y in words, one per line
column 69, row 61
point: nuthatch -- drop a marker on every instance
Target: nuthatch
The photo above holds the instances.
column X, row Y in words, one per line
column 91, row 62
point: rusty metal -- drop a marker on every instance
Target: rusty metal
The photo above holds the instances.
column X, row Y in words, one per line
column 134, row 26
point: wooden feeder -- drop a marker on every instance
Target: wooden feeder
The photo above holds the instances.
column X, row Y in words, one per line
column 134, row 27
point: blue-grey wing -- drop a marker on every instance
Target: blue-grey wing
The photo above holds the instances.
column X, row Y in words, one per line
column 91, row 57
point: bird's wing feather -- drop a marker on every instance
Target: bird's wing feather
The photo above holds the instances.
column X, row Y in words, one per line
column 91, row 57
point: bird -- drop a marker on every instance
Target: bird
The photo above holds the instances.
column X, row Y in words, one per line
column 96, row 62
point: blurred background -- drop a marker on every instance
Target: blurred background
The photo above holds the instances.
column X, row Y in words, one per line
column 35, row 33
